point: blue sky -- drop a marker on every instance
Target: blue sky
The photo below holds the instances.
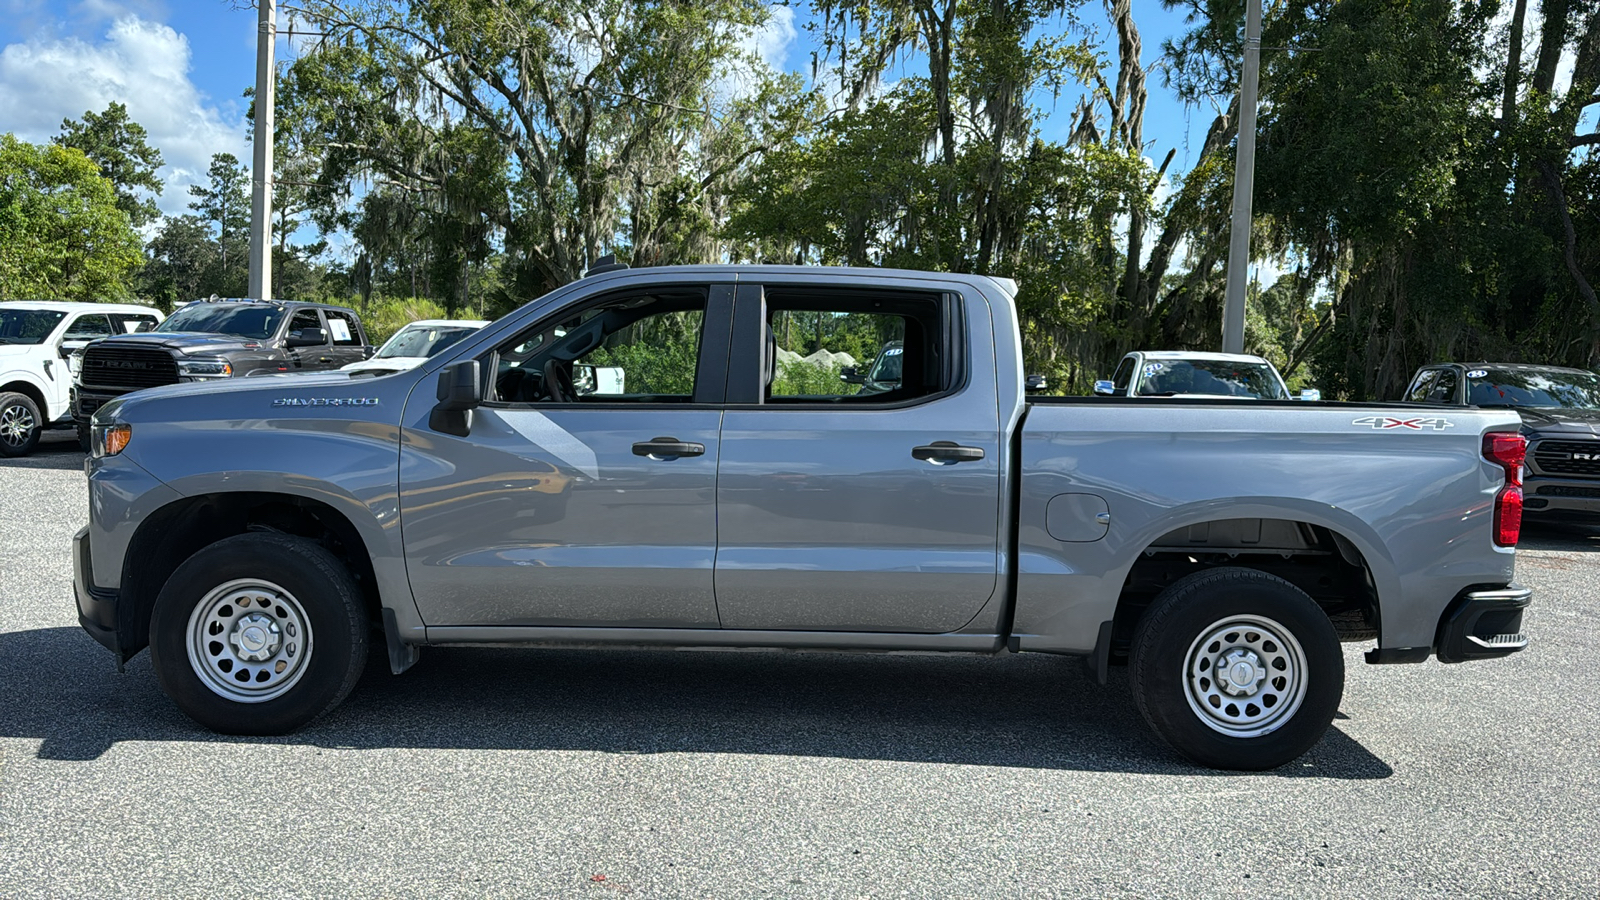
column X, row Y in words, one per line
column 181, row 67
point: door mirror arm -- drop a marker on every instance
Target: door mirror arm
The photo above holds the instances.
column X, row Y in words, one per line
column 460, row 391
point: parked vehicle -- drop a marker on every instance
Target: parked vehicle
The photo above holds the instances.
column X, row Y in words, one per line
column 253, row 533
column 1182, row 373
column 37, row 339
column 415, row 344
column 217, row 340
column 1560, row 412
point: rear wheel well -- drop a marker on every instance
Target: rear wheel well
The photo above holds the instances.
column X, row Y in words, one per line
column 181, row 529
column 1316, row 559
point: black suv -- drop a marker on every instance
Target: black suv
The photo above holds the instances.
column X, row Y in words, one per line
column 211, row 339
column 1560, row 410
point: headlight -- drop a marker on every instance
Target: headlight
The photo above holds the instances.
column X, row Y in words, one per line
column 109, row 440
column 75, row 363
column 205, row 368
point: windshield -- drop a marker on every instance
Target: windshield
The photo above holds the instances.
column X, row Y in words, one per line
column 1209, row 376
column 887, row 368
column 1523, row 387
column 246, row 320
column 423, row 341
column 27, row 326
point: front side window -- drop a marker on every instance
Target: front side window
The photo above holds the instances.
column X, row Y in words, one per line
column 1444, row 387
column 305, row 320
column 1531, row 387
column 1123, row 376
column 256, row 321
column 28, row 326
column 1422, row 386
column 1208, row 377
column 642, row 348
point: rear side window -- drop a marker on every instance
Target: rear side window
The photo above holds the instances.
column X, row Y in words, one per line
column 343, row 329
column 89, row 327
column 133, row 323
column 853, row 348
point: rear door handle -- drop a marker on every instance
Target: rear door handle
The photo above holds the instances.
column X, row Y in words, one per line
column 946, row 452
column 668, row 448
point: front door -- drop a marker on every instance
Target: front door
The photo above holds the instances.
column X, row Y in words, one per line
column 569, row 503
column 852, row 503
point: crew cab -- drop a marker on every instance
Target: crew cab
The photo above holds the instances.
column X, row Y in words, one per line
column 1560, row 413
column 215, row 340
column 259, row 535
column 1187, row 373
column 37, row 340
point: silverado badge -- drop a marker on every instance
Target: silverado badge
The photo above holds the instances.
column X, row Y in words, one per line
column 325, row 401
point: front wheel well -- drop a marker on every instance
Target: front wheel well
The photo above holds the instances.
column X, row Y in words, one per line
column 184, row 527
column 1316, row 559
column 28, row 390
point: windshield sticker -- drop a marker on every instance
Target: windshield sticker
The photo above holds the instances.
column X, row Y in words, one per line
column 1387, row 423
column 1478, row 373
column 1153, row 369
column 893, row 351
column 340, row 329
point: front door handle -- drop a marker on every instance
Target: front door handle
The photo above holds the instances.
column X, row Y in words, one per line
column 668, row 448
column 946, row 452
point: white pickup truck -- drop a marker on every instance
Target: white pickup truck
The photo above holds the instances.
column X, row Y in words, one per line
column 36, row 339
column 1186, row 373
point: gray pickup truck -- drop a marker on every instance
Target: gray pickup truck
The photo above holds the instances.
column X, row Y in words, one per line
column 259, row 534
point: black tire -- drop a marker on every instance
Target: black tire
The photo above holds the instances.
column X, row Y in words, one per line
column 1275, row 717
column 320, row 593
column 20, row 424
column 83, row 437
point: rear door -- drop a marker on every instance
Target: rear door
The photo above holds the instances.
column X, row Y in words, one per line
column 571, row 505
column 847, row 509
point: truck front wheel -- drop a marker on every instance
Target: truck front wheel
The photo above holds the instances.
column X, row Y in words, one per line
column 20, row 424
column 1237, row 669
column 259, row 634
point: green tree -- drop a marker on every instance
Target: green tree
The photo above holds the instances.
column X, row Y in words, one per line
column 118, row 145
column 62, row 235
column 223, row 203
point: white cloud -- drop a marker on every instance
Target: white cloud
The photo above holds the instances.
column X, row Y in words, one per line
column 140, row 63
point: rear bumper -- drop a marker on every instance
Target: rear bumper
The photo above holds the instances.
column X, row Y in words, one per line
column 1483, row 623
column 97, row 607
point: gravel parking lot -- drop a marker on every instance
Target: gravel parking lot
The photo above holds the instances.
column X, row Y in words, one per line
column 721, row 774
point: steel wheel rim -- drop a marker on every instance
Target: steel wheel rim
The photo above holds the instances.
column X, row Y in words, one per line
column 249, row 640
column 1245, row 676
column 15, row 423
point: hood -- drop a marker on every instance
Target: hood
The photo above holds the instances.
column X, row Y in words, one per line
column 1544, row 421
column 188, row 343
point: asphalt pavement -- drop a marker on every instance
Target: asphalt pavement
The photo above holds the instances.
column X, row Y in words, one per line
column 570, row 773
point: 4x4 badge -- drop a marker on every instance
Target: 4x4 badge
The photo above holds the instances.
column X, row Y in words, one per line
column 1418, row 424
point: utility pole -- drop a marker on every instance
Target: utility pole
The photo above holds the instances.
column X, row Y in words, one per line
column 1244, row 183
column 261, row 171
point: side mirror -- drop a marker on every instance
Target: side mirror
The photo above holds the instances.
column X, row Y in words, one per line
column 460, row 391
column 1105, row 389
column 1311, row 395
column 850, row 375
column 67, row 348
column 306, row 337
column 583, row 380
column 1033, row 384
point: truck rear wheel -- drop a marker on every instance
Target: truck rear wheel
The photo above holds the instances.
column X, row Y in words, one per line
column 1237, row 669
column 20, row 424
column 259, row 634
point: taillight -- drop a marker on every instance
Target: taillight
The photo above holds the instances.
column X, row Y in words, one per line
column 1508, row 450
